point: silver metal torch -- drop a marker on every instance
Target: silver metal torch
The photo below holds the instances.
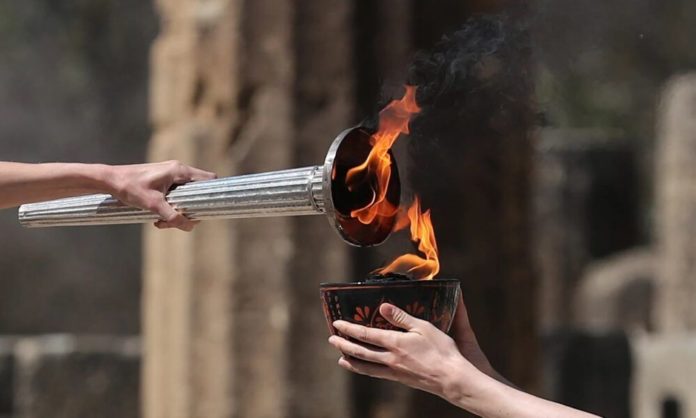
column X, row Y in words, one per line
column 300, row 191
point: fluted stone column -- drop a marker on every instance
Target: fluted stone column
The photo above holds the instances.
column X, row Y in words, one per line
column 323, row 106
column 215, row 301
column 233, row 321
column 676, row 205
column 192, row 96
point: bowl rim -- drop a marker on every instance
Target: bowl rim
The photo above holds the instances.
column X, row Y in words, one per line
column 398, row 283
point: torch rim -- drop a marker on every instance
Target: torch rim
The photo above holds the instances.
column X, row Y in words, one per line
column 329, row 206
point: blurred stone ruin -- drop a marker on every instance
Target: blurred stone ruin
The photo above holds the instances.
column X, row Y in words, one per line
column 623, row 320
column 261, row 85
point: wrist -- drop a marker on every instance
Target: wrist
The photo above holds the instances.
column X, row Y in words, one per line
column 465, row 385
column 479, row 393
column 99, row 178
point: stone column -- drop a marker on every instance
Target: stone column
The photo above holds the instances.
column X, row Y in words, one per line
column 215, row 301
column 192, row 95
column 676, row 205
column 586, row 207
column 323, row 106
column 233, row 321
column 264, row 248
column 663, row 370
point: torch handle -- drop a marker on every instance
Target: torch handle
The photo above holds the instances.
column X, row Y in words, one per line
column 280, row 193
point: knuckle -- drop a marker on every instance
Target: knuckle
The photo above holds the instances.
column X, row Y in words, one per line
column 357, row 351
column 174, row 166
column 401, row 360
column 152, row 204
column 395, row 364
column 395, row 343
column 350, row 330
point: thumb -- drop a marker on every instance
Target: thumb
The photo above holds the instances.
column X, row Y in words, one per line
column 169, row 215
column 398, row 317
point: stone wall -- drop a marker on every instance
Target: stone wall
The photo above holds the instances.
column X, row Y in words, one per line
column 67, row 376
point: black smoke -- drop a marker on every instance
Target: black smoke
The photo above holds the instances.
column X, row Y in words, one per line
column 475, row 89
column 475, row 81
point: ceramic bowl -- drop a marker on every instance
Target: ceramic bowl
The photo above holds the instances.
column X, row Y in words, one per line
column 432, row 300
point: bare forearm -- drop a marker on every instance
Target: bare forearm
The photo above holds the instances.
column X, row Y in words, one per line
column 26, row 183
column 490, row 398
column 425, row 358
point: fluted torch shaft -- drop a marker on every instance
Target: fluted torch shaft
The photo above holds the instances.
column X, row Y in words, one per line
column 281, row 193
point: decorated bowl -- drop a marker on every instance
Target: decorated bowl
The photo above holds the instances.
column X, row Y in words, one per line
column 432, row 300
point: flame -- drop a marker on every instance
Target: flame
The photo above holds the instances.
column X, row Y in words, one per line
column 376, row 169
column 422, row 234
column 393, row 121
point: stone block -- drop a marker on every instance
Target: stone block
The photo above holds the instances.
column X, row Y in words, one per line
column 664, row 376
column 67, row 376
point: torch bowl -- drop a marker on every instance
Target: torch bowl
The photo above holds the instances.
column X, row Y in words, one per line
column 432, row 300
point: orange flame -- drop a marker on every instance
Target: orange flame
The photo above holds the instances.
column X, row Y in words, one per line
column 376, row 169
column 423, row 234
column 393, row 121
